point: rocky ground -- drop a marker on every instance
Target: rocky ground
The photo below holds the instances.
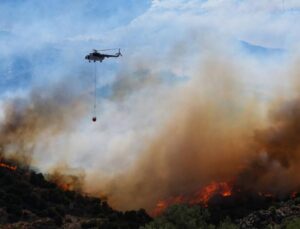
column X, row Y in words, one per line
column 274, row 217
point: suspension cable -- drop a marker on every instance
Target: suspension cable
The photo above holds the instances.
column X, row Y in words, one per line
column 95, row 93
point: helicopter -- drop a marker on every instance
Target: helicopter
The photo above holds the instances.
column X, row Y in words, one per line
column 96, row 55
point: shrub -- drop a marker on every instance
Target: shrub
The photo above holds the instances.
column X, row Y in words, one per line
column 182, row 216
column 293, row 224
column 227, row 224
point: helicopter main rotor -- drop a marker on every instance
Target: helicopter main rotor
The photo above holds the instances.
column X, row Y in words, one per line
column 103, row 50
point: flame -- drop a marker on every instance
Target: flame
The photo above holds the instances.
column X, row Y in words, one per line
column 207, row 192
column 200, row 197
column 203, row 196
column 7, row 166
column 64, row 186
column 294, row 195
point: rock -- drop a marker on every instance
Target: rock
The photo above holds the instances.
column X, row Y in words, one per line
column 272, row 216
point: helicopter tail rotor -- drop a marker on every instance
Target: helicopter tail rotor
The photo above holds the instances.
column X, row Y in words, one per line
column 119, row 53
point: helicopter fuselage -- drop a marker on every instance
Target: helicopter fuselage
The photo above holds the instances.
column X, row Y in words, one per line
column 96, row 56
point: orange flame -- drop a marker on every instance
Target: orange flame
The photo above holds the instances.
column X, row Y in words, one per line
column 10, row 167
column 64, row 186
column 200, row 197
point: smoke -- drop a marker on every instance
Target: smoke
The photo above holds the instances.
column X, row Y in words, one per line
column 216, row 131
column 276, row 167
column 210, row 134
column 156, row 139
column 66, row 178
column 36, row 118
column 206, row 137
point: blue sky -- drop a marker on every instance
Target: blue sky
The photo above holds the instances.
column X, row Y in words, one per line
column 51, row 35
column 42, row 34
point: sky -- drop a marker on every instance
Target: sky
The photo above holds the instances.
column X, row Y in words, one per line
column 165, row 44
column 38, row 34
column 50, row 34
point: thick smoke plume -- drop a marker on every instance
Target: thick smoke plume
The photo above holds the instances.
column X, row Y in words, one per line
column 39, row 116
column 276, row 167
column 177, row 138
column 206, row 138
column 215, row 132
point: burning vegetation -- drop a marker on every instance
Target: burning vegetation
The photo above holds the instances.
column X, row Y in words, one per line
column 7, row 166
column 201, row 197
column 223, row 193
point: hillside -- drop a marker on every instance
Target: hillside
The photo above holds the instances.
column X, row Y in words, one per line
column 27, row 200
